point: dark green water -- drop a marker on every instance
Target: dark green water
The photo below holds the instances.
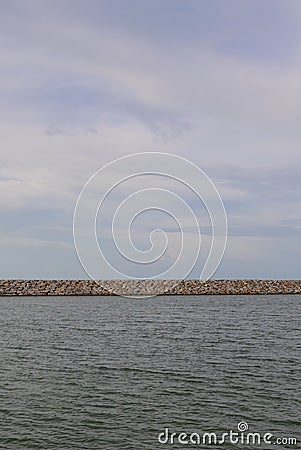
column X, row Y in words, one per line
column 112, row 373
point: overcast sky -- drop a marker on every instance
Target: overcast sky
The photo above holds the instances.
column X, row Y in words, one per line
column 215, row 81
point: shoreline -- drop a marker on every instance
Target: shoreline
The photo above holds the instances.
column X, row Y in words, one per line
column 147, row 287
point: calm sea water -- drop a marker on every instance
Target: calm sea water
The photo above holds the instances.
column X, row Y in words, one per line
column 112, row 373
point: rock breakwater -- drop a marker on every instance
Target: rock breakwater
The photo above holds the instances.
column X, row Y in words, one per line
column 147, row 287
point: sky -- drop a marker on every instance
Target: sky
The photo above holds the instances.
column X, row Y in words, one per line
column 217, row 82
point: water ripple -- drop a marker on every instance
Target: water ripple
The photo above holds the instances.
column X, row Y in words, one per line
column 112, row 373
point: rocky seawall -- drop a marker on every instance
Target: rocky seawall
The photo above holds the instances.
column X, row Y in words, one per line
column 147, row 287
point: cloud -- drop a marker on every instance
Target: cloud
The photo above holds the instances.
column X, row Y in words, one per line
column 216, row 83
column 32, row 242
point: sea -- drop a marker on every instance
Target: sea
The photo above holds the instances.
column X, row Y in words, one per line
column 210, row 372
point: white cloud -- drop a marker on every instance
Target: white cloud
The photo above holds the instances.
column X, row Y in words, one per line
column 32, row 243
